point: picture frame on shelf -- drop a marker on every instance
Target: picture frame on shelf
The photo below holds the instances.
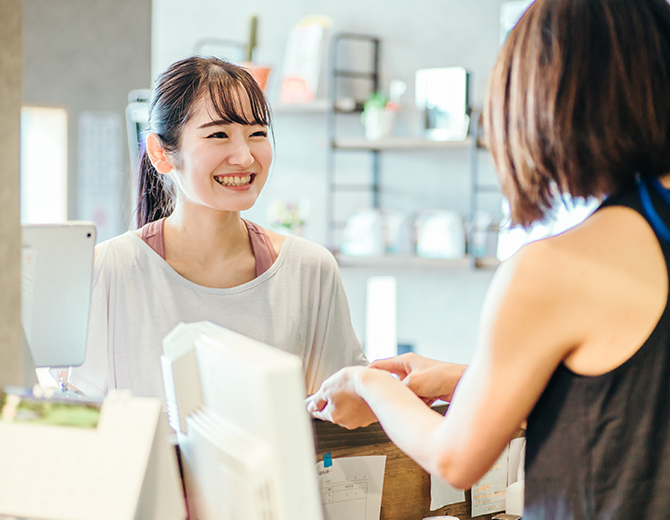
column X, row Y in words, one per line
column 442, row 98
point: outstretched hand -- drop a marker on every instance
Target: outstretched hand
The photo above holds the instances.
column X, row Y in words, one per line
column 429, row 379
column 337, row 400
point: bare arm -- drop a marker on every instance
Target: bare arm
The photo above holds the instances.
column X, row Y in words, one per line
column 588, row 298
column 523, row 337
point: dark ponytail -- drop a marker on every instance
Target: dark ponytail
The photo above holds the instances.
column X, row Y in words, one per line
column 175, row 95
column 155, row 194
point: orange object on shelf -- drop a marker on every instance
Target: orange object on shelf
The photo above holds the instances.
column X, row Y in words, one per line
column 259, row 73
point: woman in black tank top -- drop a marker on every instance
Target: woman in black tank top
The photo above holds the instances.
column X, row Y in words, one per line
column 575, row 331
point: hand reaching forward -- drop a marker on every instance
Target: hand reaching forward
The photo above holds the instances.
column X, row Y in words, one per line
column 337, row 400
column 429, row 379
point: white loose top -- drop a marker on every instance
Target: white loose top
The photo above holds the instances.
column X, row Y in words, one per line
column 298, row 305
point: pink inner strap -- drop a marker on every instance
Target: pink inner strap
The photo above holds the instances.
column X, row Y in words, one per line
column 152, row 234
column 261, row 246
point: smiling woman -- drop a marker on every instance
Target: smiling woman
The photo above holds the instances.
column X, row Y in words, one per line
column 216, row 152
column 194, row 258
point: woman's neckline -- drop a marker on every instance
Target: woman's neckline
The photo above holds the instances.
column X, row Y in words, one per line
column 155, row 257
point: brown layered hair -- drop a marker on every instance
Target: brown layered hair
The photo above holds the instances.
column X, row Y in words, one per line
column 175, row 96
column 579, row 101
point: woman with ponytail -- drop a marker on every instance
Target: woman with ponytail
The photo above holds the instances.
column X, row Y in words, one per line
column 193, row 258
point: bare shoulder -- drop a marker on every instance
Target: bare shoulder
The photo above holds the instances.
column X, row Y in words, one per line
column 528, row 301
column 599, row 288
column 614, row 244
column 585, row 272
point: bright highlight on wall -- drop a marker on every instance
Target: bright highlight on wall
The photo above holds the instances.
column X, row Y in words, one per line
column 381, row 330
column 43, row 165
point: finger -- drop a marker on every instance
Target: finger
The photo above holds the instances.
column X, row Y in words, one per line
column 393, row 365
column 430, row 401
column 409, row 382
column 323, row 415
column 316, row 404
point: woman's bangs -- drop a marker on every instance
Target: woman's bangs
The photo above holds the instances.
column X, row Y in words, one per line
column 226, row 93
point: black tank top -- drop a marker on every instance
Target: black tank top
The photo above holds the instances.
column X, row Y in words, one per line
column 599, row 447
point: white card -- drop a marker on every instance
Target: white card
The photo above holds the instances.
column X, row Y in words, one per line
column 488, row 493
column 351, row 488
column 442, row 494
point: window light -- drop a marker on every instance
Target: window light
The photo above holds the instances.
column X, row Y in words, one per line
column 44, row 182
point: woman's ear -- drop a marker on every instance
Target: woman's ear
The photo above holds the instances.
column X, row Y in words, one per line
column 157, row 154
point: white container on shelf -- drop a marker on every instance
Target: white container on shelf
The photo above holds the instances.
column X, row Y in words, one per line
column 440, row 234
column 378, row 123
column 442, row 99
column 364, row 234
column 399, row 234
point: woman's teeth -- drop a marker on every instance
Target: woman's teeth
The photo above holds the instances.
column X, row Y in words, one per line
column 233, row 181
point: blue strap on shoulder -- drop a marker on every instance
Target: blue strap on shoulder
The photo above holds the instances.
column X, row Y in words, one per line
column 662, row 190
column 656, row 221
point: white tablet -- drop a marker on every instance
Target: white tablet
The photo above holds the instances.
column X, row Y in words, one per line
column 56, row 274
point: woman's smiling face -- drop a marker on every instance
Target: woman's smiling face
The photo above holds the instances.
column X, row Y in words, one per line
column 220, row 164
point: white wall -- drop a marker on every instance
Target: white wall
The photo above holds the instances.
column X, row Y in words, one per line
column 86, row 56
column 438, row 312
column 438, row 309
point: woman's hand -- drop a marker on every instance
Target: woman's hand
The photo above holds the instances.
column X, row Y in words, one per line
column 337, row 400
column 429, row 379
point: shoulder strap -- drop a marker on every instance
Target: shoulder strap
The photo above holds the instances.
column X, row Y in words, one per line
column 152, row 234
column 654, row 219
column 262, row 247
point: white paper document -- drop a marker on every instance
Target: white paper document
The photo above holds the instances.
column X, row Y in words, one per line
column 351, row 487
column 301, row 64
column 442, row 494
column 516, row 460
column 488, row 493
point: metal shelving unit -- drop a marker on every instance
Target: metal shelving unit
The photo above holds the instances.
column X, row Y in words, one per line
column 399, row 144
column 402, row 262
column 477, row 188
column 371, row 78
column 337, row 144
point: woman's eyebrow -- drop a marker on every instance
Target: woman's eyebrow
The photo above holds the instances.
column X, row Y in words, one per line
column 220, row 122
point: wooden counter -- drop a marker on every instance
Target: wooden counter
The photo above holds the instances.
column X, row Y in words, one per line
column 406, row 494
